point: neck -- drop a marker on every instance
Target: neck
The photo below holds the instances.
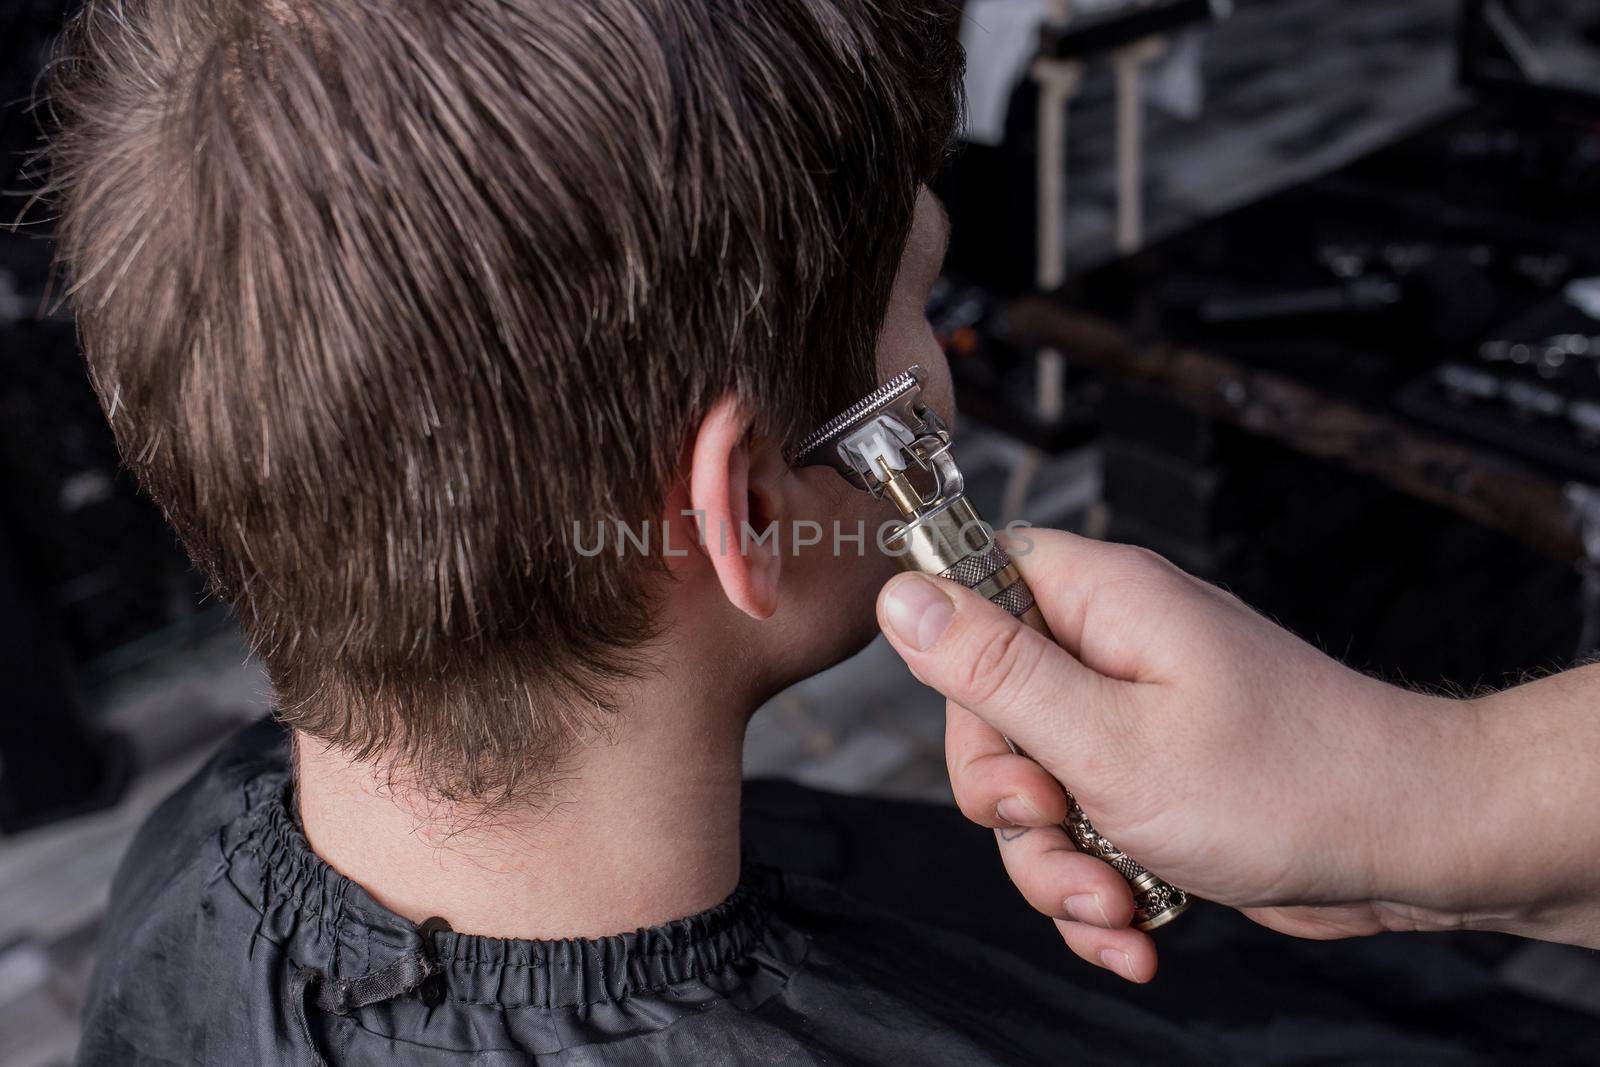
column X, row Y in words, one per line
column 643, row 831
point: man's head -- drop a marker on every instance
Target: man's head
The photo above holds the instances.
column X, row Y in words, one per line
column 385, row 299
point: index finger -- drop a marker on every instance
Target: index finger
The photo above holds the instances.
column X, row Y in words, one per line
column 994, row 786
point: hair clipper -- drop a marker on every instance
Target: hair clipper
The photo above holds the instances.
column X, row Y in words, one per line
column 892, row 445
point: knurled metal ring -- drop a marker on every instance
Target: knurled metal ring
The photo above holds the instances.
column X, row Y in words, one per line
column 979, row 567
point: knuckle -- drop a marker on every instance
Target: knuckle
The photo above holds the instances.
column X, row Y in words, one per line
column 1025, row 857
column 1142, row 562
column 1002, row 666
column 964, row 764
column 972, row 812
column 1144, row 580
column 972, row 799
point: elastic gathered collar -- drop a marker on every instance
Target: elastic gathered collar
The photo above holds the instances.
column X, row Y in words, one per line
column 325, row 921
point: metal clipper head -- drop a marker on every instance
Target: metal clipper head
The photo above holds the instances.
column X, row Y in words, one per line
column 883, row 436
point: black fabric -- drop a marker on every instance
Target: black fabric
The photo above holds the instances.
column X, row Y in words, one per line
column 889, row 936
column 1434, row 998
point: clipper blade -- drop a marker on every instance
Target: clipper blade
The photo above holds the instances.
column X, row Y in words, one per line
column 814, row 449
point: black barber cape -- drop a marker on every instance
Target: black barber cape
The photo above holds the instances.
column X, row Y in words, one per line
column 889, row 936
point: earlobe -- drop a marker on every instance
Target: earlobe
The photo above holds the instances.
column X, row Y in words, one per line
column 734, row 488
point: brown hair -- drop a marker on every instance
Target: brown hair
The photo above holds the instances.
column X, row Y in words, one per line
column 381, row 296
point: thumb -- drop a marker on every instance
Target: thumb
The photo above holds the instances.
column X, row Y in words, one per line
column 1011, row 676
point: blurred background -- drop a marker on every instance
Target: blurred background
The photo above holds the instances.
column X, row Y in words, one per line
column 1303, row 294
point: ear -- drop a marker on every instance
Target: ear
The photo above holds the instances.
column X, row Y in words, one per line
column 736, row 483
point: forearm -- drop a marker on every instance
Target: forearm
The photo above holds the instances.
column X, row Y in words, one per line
column 1493, row 808
column 1539, row 844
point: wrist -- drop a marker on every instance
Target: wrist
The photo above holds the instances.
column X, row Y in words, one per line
column 1432, row 787
column 1485, row 820
column 1534, row 834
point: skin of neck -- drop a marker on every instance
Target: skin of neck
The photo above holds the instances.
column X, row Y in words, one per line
column 641, row 829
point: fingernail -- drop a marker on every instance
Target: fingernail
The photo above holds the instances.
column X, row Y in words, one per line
column 1017, row 811
column 917, row 611
column 1086, row 908
column 1119, row 962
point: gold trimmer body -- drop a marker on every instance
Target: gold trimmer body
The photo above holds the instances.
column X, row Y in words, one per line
column 894, row 446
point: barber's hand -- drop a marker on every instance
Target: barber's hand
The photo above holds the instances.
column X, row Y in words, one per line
column 1223, row 753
